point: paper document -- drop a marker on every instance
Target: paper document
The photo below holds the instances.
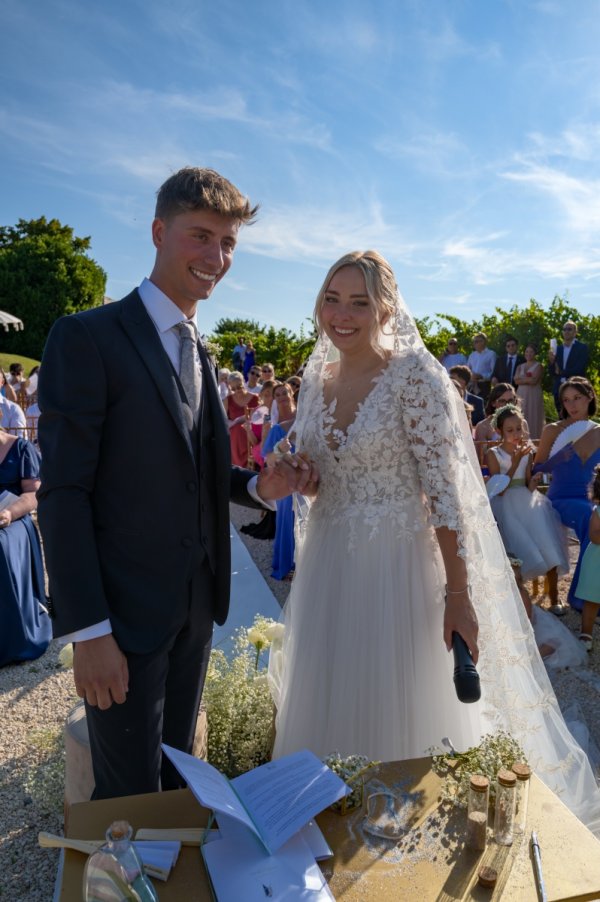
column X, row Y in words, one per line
column 274, row 801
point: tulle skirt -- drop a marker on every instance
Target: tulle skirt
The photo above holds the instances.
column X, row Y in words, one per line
column 364, row 668
column 531, row 530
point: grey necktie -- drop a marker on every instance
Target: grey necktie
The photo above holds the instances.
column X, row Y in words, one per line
column 511, row 368
column 189, row 366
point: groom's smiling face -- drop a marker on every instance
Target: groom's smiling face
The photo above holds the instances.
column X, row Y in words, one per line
column 194, row 250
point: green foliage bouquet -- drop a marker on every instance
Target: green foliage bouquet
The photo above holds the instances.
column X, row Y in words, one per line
column 495, row 751
column 239, row 706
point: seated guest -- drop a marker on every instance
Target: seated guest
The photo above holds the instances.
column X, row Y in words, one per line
column 223, row 385
column 295, row 382
column 13, row 418
column 252, row 383
column 506, row 365
column 6, row 389
column 25, row 630
column 463, row 375
column 452, row 356
column 485, row 434
column 237, row 407
column 481, row 362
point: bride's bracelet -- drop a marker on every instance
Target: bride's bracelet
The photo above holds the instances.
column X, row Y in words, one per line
column 457, row 591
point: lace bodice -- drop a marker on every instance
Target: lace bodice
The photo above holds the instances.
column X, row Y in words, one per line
column 397, row 460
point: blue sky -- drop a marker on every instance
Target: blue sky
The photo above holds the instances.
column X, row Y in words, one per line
column 461, row 139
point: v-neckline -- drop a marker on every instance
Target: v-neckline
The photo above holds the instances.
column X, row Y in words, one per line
column 345, row 434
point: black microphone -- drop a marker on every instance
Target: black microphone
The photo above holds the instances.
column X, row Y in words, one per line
column 466, row 678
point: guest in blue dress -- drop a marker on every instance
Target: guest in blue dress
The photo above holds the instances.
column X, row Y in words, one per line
column 25, row 630
column 570, row 450
column 276, row 443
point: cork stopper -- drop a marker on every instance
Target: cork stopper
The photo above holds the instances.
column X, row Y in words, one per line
column 119, row 830
column 506, row 777
column 479, row 783
column 487, row 876
column 523, row 771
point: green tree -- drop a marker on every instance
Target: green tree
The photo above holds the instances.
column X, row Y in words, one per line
column 45, row 273
column 531, row 323
column 281, row 347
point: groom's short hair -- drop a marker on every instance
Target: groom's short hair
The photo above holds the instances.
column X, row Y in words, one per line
column 193, row 188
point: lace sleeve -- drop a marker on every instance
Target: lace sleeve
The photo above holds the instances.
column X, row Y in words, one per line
column 437, row 440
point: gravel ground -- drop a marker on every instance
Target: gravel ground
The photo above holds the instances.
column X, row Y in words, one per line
column 36, row 696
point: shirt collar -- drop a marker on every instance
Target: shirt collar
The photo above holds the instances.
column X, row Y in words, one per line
column 160, row 308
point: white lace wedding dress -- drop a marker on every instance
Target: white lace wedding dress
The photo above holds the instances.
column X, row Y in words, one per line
column 363, row 668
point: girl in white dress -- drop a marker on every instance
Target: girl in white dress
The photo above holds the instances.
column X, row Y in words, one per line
column 528, row 524
column 400, row 521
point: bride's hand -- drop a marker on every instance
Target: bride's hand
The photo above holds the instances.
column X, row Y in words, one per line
column 460, row 617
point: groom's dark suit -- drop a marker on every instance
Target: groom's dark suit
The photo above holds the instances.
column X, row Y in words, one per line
column 134, row 503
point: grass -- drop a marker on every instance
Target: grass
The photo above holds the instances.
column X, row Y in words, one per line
column 7, row 359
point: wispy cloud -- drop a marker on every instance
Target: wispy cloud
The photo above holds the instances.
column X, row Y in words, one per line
column 318, row 234
column 432, row 151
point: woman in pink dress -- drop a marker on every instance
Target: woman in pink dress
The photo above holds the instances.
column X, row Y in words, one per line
column 237, row 406
column 528, row 379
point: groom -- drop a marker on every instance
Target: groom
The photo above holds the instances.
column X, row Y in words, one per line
column 136, row 483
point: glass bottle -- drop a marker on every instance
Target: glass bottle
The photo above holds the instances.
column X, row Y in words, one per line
column 115, row 873
column 504, row 818
column 477, row 812
column 523, row 772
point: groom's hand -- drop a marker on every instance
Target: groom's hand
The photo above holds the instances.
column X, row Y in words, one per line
column 100, row 671
column 290, row 473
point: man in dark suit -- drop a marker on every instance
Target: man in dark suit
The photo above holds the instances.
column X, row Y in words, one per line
column 136, row 483
column 570, row 359
column 506, row 364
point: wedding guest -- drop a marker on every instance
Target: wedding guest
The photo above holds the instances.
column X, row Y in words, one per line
column 296, row 383
column 238, row 405
column 252, row 383
column 275, row 444
column 249, row 360
column 13, row 417
column 569, row 450
column 397, row 551
column 257, row 428
column 506, row 364
column 238, row 353
column 528, row 379
column 485, row 432
column 223, row 383
column 463, row 375
column 452, row 356
column 481, row 362
column 25, row 629
column 570, row 359
column 6, row 390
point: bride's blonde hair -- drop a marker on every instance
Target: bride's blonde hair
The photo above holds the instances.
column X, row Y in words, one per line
column 381, row 286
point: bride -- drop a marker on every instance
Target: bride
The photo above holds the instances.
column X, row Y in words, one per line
column 398, row 549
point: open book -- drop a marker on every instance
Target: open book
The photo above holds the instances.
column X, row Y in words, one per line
column 273, row 801
column 267, row 845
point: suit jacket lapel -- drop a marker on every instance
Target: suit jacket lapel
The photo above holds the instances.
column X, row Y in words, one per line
column 213, row 400
column 145, row 339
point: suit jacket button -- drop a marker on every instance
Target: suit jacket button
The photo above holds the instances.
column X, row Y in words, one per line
column 191, row 486
column 187, row 542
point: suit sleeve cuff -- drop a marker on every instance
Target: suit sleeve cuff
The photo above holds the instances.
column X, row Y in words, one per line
column 251, row 487
column 90, row 632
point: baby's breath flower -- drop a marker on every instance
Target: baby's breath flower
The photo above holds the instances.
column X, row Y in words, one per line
column 496, row 750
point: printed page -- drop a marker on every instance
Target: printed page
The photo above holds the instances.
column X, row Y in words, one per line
column 283, row 795
column 210, row 787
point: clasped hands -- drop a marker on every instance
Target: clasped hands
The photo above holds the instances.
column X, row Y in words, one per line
column 290, row 473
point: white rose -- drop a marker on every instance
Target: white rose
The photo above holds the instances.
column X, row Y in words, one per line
column 274, row 631
column 256, row 636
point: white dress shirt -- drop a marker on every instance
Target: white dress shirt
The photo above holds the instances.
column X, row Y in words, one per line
column 13, row 418
column 165, row 315
column 482, row 362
